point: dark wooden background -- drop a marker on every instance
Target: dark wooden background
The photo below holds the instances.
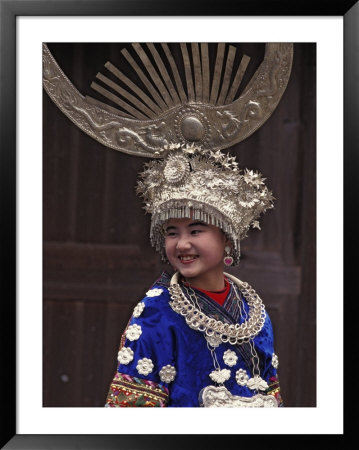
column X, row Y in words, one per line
column 98, row 262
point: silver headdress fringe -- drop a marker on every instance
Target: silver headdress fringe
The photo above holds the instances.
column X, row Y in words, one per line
column 190, row 182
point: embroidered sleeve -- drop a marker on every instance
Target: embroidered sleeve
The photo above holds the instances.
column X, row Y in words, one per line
column 274, row 389
column 146, row 363
column 127, row 391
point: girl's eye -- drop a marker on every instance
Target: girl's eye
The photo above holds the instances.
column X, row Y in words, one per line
column 196, row 231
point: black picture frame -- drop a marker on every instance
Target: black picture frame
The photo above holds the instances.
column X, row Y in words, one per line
column 10, row 10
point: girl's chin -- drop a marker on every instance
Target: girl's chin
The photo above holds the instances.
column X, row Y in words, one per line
column 188, row 272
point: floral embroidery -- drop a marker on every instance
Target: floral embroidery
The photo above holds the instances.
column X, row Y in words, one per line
column 220, row 376
column 241, row 377
column 167, row 374
column 257, row 383
column 144, row 366
column 133, row 332
column 138, row 309
column 125, row 355
column 230, row 358
column 275, row 361
column 154, row 292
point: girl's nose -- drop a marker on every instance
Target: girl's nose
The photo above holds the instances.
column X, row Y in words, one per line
column 183, row 243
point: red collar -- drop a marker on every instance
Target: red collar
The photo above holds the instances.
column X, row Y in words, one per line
column 218, row 296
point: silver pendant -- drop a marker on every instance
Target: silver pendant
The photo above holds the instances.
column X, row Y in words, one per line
column 218, row 397
column 214, row 340
column 257, row 383
column 220, row 376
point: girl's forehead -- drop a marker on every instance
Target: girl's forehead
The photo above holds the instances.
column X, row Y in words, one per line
column 179, row 222
column 188, row 223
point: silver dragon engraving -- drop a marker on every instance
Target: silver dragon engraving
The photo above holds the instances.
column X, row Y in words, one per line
column 212, row 125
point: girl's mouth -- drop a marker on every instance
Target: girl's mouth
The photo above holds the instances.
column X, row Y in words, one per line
column 186, row 259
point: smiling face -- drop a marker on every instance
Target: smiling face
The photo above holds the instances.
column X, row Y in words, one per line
column 196, row 250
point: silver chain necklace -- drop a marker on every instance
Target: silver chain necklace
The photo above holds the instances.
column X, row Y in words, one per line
column 196, row 319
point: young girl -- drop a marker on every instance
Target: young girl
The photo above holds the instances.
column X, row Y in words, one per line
column 200, row 337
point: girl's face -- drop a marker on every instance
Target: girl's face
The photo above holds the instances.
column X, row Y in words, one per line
column 196, row 250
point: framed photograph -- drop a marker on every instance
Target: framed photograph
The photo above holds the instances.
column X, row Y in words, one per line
column 78, row 236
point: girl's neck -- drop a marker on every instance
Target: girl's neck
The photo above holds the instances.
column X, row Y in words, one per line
column 213, row 284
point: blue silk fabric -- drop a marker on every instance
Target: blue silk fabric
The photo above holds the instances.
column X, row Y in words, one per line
column 166, row 339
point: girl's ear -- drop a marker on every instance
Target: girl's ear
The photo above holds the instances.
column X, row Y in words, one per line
column 228, row 243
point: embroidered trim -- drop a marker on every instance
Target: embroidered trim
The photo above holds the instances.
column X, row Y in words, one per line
column 127, row 391
column 274, row 389
column 123, row 337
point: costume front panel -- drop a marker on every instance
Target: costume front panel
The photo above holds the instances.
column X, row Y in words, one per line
column 164, row 362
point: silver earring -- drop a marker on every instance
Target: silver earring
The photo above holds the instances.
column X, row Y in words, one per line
column 228, row 260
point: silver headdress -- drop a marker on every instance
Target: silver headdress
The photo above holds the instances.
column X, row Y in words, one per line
column 206, row 186
column 183, row 114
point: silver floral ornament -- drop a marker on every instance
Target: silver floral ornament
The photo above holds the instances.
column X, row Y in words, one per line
column 133, row 332
column 189, row 150
column 241, row 377
column 230, row 358
column 214, row 340
column 138, row 309
column 144, row 366
column 154, row 292
column 257, row 383
column 176, row 169
column 275, row 361
column 125, row 355
column 220, row 376
column 167, row 373
column 253, row 178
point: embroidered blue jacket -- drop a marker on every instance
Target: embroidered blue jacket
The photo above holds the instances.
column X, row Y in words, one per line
column 163, row 338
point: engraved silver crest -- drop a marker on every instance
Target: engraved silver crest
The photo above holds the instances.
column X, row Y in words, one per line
column 217, row 397
column 166, row 104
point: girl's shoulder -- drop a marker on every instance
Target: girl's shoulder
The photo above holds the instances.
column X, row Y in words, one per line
column 163, row 280
column 159, row 290
column 154, row 303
